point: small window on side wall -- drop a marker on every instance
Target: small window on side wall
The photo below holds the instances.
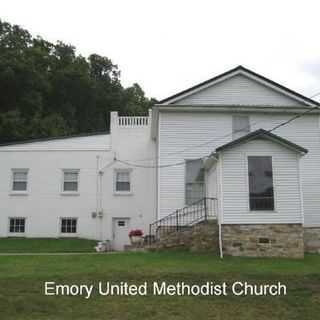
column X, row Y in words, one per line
column 68, row 225
column 123, row 181
column 261, row 193
column 17, row 225
column 19, row 180
column 70, row 180
column 240, row 126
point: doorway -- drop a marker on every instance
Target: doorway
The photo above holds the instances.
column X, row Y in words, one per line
column 120, row 233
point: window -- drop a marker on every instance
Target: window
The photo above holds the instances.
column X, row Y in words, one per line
column 260, row 183
column 19, row 179
column 123, row 181
column 240, row 126
column 121, row 223
column 70, row 180
column 69, row 225
column 17, row 225
column 195, row 185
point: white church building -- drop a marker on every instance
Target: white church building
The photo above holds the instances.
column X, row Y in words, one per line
column 244, row 143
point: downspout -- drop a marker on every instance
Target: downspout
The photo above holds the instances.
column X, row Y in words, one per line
column 100, row 205
column 98, row 197
column 300, row 189
column 220, row 212
column 97, row 185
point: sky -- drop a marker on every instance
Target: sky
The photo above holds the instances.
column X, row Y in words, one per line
column 169, row 45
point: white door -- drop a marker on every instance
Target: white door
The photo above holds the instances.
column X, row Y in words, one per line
column 120, row 233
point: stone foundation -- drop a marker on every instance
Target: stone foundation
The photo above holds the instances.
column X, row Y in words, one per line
column 263, row 240
column 203, row 237
column 312, row 240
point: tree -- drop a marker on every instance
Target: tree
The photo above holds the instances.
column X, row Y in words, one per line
column 50, row 90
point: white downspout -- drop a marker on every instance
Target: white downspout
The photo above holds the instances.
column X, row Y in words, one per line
column 100, row 205
column 97, row 185
column 220, row 210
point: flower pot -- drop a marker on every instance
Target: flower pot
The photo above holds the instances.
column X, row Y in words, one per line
column 136, row 239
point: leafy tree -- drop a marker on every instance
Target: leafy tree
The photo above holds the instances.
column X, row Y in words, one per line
column 50, row 90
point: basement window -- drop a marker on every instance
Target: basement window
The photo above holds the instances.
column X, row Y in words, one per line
column 195, row 183
column 69, row 225
column 261, row 195
column 17, row 225
column 264, row 240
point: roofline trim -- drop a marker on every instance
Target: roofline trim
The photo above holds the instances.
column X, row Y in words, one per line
column 26, row 141
column 240, row 69
column 265, row 134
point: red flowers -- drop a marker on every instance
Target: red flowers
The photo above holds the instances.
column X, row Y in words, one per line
column 136, row 233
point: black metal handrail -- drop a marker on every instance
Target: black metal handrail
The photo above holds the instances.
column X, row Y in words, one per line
column 201, row 210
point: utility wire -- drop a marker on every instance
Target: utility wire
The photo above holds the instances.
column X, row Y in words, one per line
column 197, row 145
column 182, row 163
column 292, row 119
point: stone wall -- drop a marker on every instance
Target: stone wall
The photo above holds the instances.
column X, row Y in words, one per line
column 202, row 237
column 263, row 240
column 312, row 240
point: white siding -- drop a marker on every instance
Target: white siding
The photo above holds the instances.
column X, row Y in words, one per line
column 179, row 131
column 305, row 132
column 238, row 90
column 44, row 204
column 285, row 180
column 182, row 131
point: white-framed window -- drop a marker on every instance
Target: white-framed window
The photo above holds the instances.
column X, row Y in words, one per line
column 240, row 126
column 122, row 182
column 68, row 225
column 19, row 180
column 17, row 225
column 194, row 181
column 70, row 182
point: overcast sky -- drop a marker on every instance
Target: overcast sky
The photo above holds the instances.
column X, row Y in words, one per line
column 169, row 45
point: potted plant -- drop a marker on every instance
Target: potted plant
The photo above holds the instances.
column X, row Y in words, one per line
column 136, row 236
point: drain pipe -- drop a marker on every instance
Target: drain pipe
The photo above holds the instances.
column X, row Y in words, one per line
column 98, row 197
column 97, row 187
column 100, row 205
column 220, row 210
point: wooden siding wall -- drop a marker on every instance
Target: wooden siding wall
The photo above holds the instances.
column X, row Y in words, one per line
column 285, row 181
column 179, row 131
column 238, row 90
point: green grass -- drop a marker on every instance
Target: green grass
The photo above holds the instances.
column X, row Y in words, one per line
column 30, row 245
column 22, row 286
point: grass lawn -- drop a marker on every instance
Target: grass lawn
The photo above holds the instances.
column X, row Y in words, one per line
column 22, row 287
column 23, row 245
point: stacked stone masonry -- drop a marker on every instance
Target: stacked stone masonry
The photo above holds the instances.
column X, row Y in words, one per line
column 312, row 240
column 263, row 240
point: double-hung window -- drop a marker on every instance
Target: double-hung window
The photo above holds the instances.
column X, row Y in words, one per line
column 195, row 183
column 261, row 193
column 19, row 180
column 70, row 180
column 123, row 181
